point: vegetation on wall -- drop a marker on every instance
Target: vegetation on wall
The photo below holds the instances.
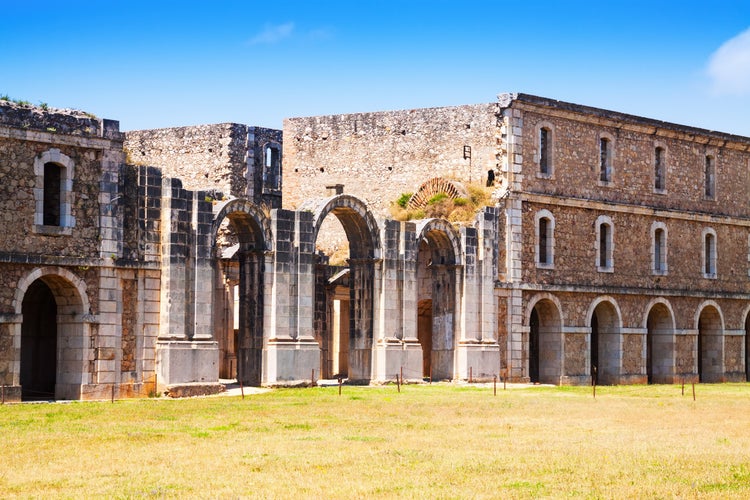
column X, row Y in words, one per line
column 443, row 206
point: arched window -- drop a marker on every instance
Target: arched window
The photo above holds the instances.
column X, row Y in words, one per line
column 545, row 150
column 604, row 244
column 53, row 193
column 709, row 253
column 659, row 248
column 545, row 239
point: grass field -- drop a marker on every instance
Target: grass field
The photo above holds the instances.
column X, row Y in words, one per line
column 439, row 441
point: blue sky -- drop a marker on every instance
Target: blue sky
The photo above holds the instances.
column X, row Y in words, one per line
column 160, row 64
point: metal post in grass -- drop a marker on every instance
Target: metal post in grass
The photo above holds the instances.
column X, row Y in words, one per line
column 593, row 381
column 683, row 385
column 398, row 383
column 494, row 385
column 693, row 391
column 471, row 372
column 339, row 386
column 505, row 377
column 242, row 389
column 113, row 392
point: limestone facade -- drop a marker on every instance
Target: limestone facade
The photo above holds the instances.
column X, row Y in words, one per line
column 616, row 247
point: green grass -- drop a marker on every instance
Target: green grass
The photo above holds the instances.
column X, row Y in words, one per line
column 439, row 441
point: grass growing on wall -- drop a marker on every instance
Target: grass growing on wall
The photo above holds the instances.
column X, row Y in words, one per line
column 438, row 441
column 441, row 206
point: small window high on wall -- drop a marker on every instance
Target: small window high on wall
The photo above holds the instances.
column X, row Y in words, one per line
column 659, row 169
column 605, row 160
column 545, row 239
column 710, row 177
column 52, row 190
column 544, row 144
column 272, row 167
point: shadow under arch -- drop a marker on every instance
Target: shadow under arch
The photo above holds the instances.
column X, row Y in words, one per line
column 438, row 256
column 605, row 320
column 241, row 237
column 660, row 342
column 545, row 354
column 363, row 235
column 55, row 311
column 709, row 323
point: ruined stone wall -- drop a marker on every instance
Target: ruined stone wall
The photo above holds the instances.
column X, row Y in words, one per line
column 379, row 156
column 203, row 157
column 227, row 158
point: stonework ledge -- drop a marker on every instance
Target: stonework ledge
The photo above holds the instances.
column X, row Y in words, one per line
column 193, row 389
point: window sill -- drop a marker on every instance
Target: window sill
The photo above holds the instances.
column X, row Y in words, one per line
column 608, row 269
column 53, row 230
column 540, row 175
column 661, row 192
column 711, row 276
column 541, row 265
column 602, row 183
column 655, row 272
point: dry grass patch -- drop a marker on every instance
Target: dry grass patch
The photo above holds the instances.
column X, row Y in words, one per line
column 427, row 441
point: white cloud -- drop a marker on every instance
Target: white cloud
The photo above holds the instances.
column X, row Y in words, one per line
column 273, row 34
column 729, row 66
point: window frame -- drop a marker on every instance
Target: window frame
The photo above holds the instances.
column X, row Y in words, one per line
column 709, row 253
column 605, row 253
column 660, row 168
column 549, row 151
column 548, row 239
column 660, row 265
column 605, row 162
column 709, row 176
column 66, row 220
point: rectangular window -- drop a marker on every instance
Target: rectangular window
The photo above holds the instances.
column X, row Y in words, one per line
column 544, row 151
column 659, row 251
column 605, row 174
column 710, row 177
column 543, row 254
column 603, row 245
column 52, row 186
column 659, row 181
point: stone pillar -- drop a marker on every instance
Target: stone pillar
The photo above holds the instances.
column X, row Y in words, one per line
column 361, row 334
column 396, row 345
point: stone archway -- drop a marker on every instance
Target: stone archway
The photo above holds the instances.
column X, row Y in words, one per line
column 363, row 237
column 438, row 258
column 710, row 348
column 54, row 351
column 242, row 237
column 660, row 344
column 545, row 342
column 606, row 343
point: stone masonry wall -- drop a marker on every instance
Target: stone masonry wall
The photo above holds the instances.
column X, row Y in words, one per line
column 378, row 156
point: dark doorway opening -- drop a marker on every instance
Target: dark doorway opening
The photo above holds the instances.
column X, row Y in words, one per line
column 38, row 343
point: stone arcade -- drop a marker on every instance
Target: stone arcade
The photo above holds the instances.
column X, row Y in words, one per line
column 132, row 263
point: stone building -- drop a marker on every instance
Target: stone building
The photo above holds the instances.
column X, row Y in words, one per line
column 622, row 246
column 134, row 263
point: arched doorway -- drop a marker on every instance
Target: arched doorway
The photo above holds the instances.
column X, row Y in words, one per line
column 438, row 256
column 241, row 235
column 356, row 271
column 710, row 349
column 545, row 343
column 55, row 349
column 659, row 345
column 605, row 346
column 38, row 343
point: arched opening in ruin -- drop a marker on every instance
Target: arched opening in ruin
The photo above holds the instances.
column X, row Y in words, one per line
column 437, row 260
column 39, row 343
column 605, row 346
column 241, row 233
column 545, row 343
column 54, row 356
column 346, row 246
column 710, row 350
column 659, row 345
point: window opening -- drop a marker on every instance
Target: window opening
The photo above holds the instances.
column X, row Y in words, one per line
column 605, row 168
column 659, row 181
column 543, row 241
column 710, row 177
column 660, row 257
column 544, row 151
column 52, row 180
